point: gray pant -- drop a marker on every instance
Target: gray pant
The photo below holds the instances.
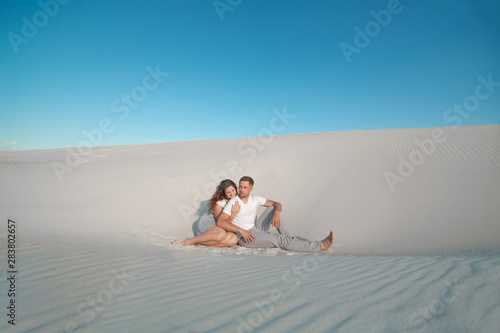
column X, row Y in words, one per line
column 282, row 240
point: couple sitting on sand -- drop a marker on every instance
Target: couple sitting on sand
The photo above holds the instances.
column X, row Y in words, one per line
column 233, row 213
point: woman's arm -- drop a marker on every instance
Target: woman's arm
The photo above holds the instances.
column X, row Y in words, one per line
column 217, row 211
column 234, row 211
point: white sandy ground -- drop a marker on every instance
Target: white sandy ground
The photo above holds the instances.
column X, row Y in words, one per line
column 94, row 253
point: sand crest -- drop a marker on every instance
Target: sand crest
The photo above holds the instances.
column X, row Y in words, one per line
column 415, row 214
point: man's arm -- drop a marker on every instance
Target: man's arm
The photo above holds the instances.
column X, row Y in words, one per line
column 224, row 222
column 276, row 221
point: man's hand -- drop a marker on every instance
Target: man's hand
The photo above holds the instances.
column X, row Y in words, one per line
column 276, row 221
column 247, row 236
column 224, row 222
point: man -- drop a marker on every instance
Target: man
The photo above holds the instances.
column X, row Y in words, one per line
column 254, row 236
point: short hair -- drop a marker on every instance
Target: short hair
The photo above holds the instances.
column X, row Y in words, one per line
column 247, row 179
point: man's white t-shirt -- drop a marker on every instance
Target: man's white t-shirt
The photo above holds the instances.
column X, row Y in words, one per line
column 248, row 212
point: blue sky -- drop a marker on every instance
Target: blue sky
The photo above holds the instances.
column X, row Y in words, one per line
column 69, row 68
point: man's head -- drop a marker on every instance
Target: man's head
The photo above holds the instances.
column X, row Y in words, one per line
column 246, row 186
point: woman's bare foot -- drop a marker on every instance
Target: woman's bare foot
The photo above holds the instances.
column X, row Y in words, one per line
column 179, row 241
column 327, row 243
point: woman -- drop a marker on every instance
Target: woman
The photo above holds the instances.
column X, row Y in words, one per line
column 207, row 232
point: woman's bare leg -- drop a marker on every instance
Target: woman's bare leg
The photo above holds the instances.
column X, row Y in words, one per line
column 213, row 236
column 230, row 240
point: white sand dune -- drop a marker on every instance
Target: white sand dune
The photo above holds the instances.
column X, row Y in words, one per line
column 416, row 214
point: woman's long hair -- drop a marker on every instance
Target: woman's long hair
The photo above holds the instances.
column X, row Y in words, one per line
column 219, row 193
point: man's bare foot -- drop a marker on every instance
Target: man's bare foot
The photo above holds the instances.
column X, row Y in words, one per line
column 327, row 243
